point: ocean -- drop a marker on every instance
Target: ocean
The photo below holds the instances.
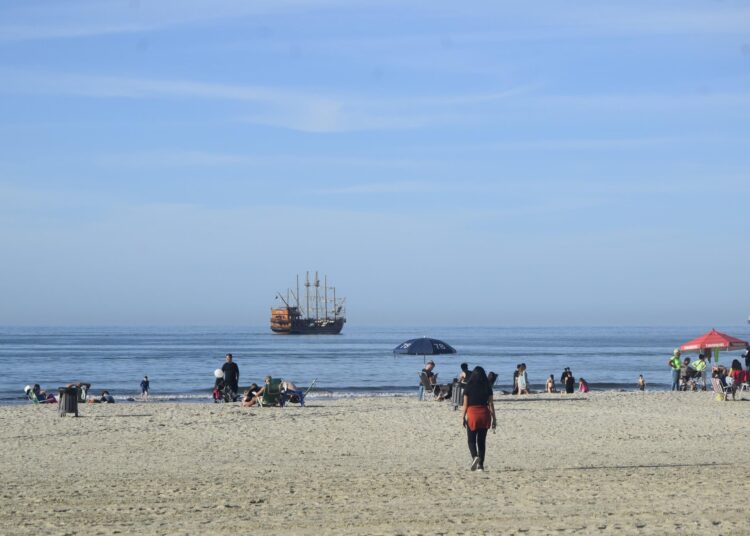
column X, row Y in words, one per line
column 180, row 360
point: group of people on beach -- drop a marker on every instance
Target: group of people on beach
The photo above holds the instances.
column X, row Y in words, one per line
column 567, row 382
column 226, row 385
column 690, row 375
column 477, row 400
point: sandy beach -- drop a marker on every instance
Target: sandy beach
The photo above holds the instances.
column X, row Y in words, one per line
column 611, row 463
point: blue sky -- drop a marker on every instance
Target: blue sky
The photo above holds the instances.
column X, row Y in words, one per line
column 449, row 164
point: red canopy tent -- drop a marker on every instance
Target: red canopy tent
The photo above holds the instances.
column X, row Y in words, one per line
column 714, row 340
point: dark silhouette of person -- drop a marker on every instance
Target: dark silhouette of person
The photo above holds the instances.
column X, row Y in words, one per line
column 231, row 375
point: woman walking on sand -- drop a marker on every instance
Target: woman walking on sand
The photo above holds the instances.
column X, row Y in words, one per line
column 478, row 415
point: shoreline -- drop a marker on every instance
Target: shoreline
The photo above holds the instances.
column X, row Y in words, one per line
column 610, row 463
column 326, row 394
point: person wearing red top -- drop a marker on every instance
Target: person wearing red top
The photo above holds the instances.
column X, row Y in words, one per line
column 737, row 375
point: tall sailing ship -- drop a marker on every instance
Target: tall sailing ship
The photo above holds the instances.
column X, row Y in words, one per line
column 318, row 313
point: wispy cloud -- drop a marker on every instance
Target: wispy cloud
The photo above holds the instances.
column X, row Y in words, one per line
column 392, row 187
column 195, row 158
column 303, row 110
column 84, row 18
column 585, row 144
column 653, row 18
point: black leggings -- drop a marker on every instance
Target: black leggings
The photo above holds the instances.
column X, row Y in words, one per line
column 477, row 442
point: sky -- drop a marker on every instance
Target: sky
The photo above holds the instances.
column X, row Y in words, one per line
column 492, row 163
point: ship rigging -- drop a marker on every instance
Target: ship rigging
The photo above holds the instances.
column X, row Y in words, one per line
column 325, row 315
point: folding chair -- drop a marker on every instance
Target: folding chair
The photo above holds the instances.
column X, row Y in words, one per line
column 286, row 396
column 271, row 393
column 426, row 388
column 721, row 390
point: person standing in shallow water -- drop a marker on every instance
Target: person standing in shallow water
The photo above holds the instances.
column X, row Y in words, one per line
column 478, row 415
column 231, row 375
column 145, row 387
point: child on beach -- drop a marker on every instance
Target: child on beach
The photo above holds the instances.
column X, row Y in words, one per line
column 550, row 388
column 583, row 386
column 144, row 388
column 641, row 383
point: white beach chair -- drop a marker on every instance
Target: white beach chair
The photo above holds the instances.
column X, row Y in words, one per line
column 721, row 391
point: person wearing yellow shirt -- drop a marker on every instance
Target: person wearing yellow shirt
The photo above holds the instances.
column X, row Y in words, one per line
column 699, row 366
column 675, row 364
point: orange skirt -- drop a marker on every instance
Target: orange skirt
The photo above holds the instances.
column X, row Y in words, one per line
column 478, row 417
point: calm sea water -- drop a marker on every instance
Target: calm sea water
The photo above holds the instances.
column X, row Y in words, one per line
column 180, row 361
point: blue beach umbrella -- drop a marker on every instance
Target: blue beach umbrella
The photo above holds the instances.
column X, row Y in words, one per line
column 424, row 347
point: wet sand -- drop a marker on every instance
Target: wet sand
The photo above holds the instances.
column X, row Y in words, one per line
column 607, row 463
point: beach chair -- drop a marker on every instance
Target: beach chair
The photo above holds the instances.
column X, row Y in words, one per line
column 290, row 394
column 721, row 390
column 271, row 393
column 34, row 400
column 426, row 389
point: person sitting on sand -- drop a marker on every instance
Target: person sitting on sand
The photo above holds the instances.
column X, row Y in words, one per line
column 686, row 374
column 248, row 402
column 250, row 392
column 550, row 387
column 104, row 398
column 583, row 386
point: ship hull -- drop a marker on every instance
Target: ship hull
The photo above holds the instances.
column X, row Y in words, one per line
column 305, row 327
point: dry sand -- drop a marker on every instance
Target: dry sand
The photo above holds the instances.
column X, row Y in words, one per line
column 610, row 463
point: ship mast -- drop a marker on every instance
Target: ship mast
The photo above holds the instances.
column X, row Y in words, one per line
column 335, row 312
column 297, row 296
column 307, row 294
column 317, row 295
column 325, row 294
